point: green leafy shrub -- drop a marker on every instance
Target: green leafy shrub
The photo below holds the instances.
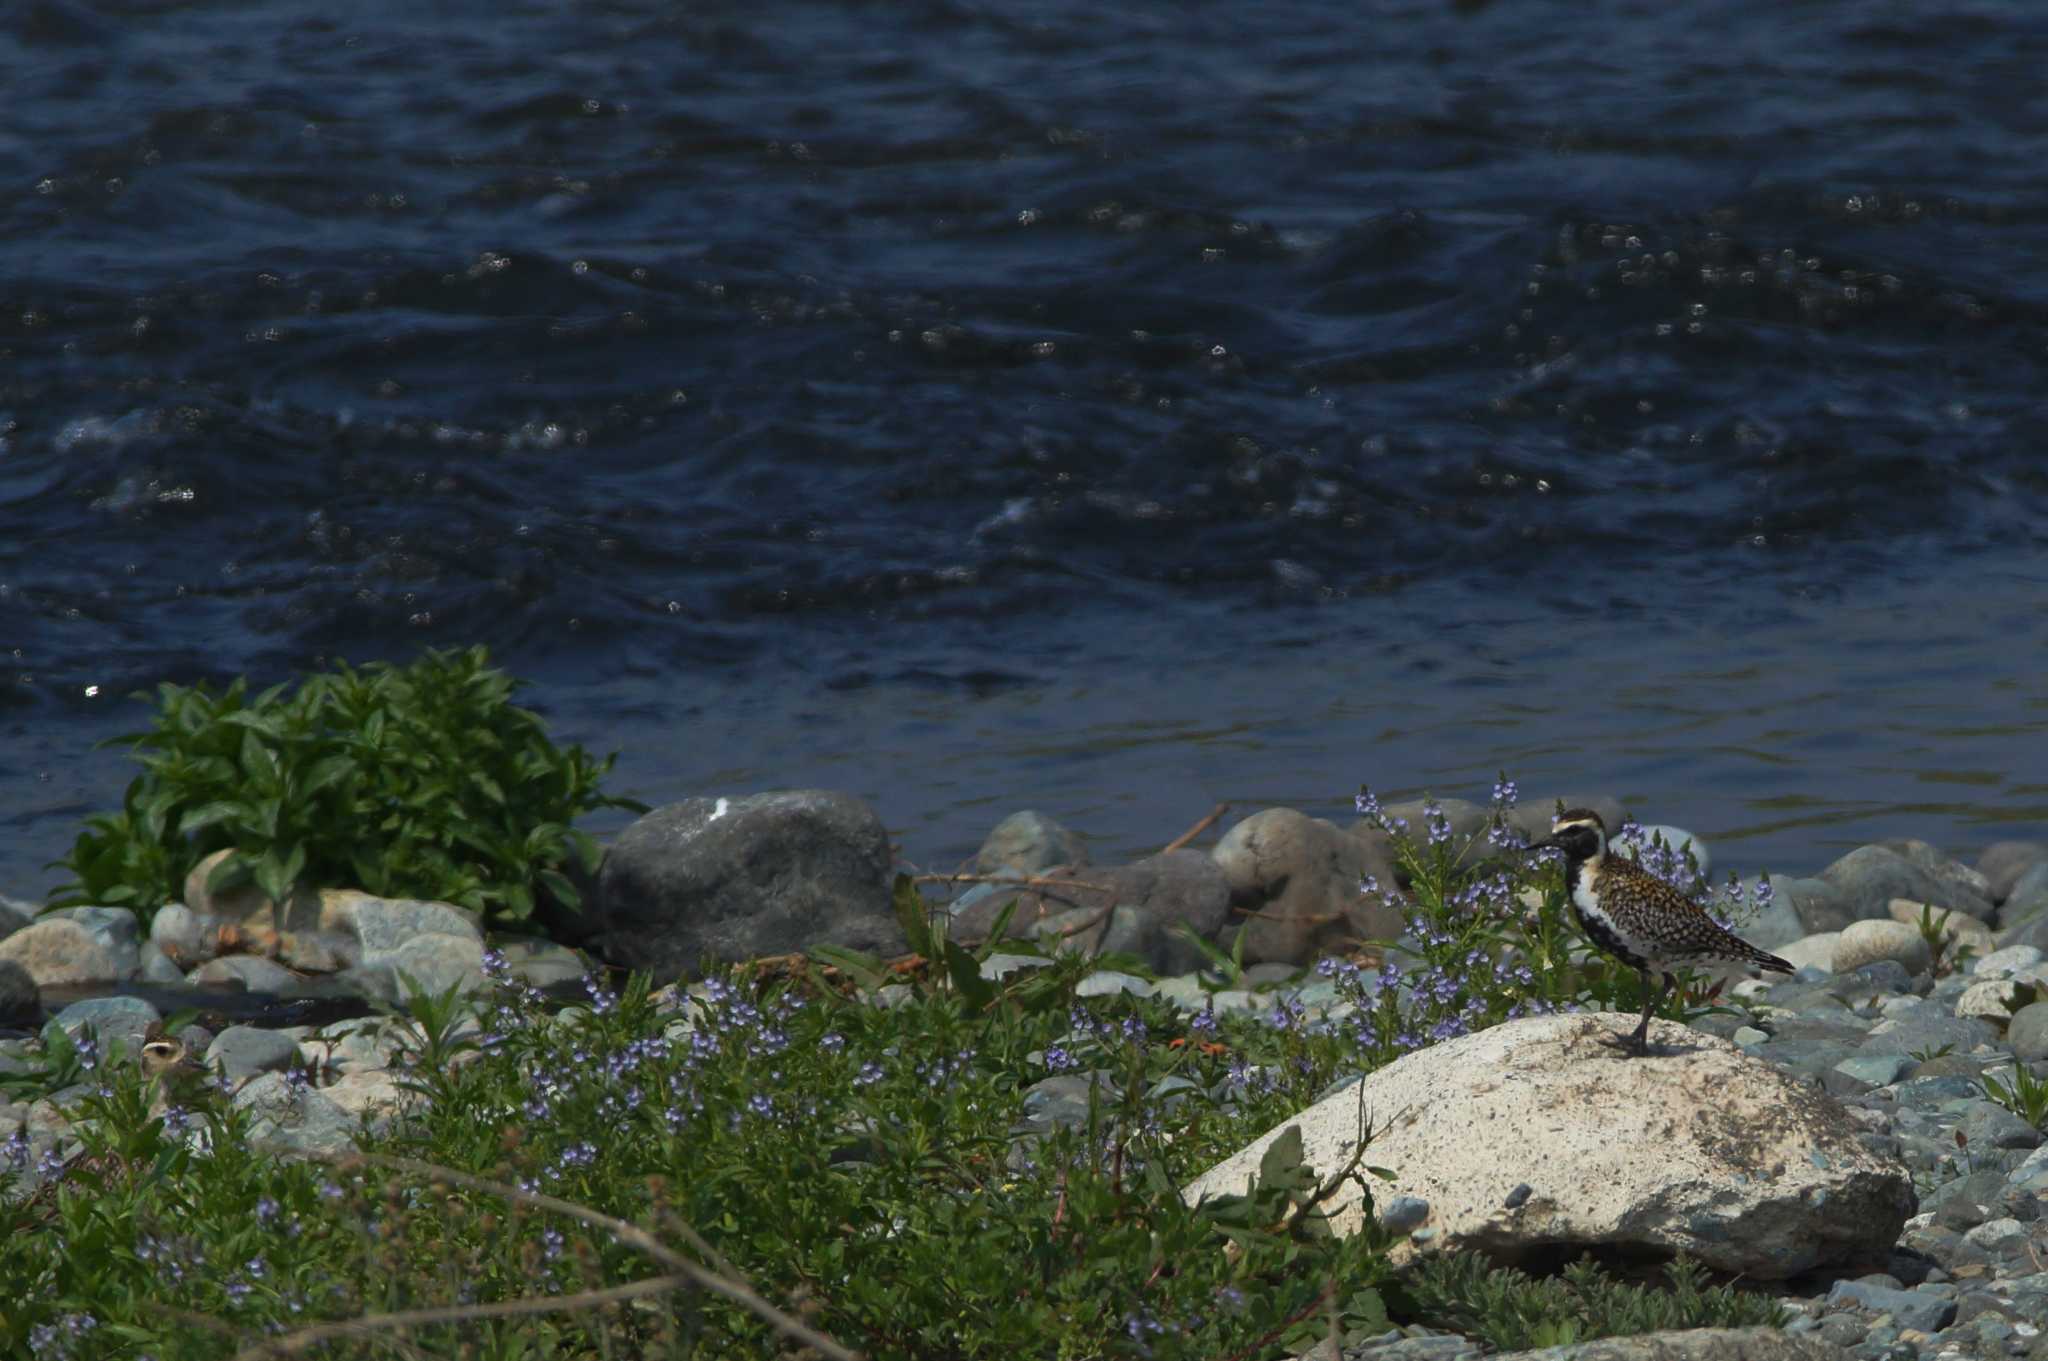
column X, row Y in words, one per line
column 418, row 781
column 850, row 1163
column 1510, row 1311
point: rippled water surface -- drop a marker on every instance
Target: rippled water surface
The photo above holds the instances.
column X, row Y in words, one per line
column 1113, row 410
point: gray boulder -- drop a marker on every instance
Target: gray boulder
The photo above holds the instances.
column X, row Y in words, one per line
column 429, row 963
column 1293, row 881
column 1959, row 877
column 2027, row 1032
column 2023, row 920
column 1927, row 1033
column 248, row 973
column 1131, row 909
column 300, row 1119
column 114, row 927
column 2029, row 895
column 58, row 951
column 1693, row 1344
column 2003, row 862
column 1026, row 843
column 242, row 1051
column 1871, row 876
column 183, row 936
column 1928, row 1313
column 736, row 878
column 118, row 1022
column 1818, row 905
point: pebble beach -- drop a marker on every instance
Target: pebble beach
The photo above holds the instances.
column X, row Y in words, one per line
column 1901, row 1028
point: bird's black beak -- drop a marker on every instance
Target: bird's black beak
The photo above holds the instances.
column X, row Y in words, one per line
column 1548, row 843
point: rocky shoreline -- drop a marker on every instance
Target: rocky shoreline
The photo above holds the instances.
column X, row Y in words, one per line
column 1897, row 1025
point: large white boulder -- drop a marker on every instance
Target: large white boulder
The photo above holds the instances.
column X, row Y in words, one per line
column 1538, row 1135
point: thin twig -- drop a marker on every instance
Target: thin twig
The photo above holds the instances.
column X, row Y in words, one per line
column 1010, row 880
column 1316, row 919
column 738, row 1291
column 303, row 1339
column 1200, row 827
column 1320, row 1301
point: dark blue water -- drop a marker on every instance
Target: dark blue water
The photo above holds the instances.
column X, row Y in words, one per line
column 1112, row 410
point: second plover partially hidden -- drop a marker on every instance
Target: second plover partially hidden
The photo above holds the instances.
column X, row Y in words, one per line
column 1642, row 921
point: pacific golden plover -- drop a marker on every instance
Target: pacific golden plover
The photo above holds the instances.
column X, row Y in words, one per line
column 176, row 1075
column 1633, row 915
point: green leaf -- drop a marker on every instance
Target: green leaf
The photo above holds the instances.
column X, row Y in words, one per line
column 271, row 878
column 911, row 910
column 995, row 933
column 294, row 866
column 324, row 772
column 562, row 889
column 965, row 971
column 259, row 762
column 865, row 969
column 212, row 814
column 232, row 871
column 1281, row 1164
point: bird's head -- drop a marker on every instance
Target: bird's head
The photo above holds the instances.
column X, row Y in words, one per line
column 1578, row 832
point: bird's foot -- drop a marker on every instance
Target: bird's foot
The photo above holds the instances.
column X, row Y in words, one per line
column 1635, row 1044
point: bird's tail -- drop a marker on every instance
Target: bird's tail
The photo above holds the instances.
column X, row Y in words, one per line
column 1766, row 961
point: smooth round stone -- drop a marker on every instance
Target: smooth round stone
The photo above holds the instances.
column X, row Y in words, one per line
column 244, row 1050
column 56, row 951
column 1028, row 843
column 2009, row 960
column 1930, row 1091
column 182, row 934
column 1814, row 955
column 1109, row 982
column 2027, row 1032
column 1866, row 942
column 1879, row 1070
column 1878, row 976
column 1316, row 994
column 1000, row 966
column 1997, row 1236
column 1989, row 1000
column 1991, row 1126
column 115, row 927
column 1183, row 990
column 157, row 967
column 1748, row 1037
column 542, row 963
column 1404, row 1213
column 113, row 1019
column 251, row 973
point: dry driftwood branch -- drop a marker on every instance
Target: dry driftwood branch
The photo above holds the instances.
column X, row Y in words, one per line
column 1029, row 881
column 303, row 1339
column 1200, row 827
column 731, row 1288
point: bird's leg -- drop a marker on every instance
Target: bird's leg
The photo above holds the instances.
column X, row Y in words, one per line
column 1641, row 1039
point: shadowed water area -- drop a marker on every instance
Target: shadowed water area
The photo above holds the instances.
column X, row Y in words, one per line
column 1111, row 410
